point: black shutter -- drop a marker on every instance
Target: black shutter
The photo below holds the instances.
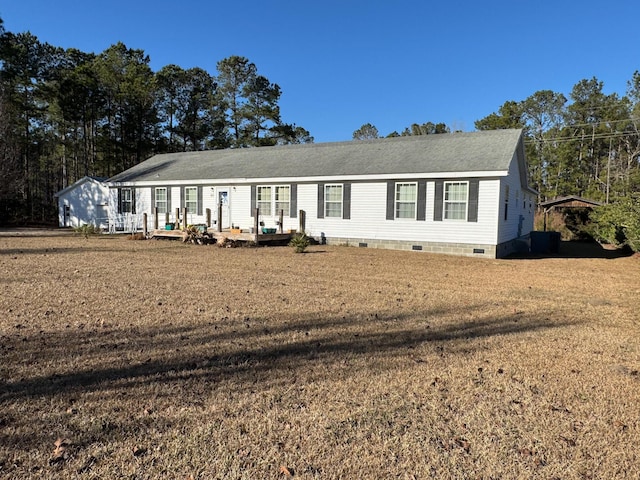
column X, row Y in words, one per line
column 133, row 200
column 346, row 201
column 168, row 199
column 438, row 201
column 254, row 201
column 472, row 212
column 391, row 200
column 199, row 206
column 321, row 200
column 422, row 200
column 153, row 200
column 293, row 209
column 119, row 200
column 181, row 198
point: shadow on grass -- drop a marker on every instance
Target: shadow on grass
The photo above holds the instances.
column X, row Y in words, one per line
column 577, row 249
column 54, row 250
column 242, row 351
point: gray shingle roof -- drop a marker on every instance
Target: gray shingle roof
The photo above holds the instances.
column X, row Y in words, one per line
column 456, row 152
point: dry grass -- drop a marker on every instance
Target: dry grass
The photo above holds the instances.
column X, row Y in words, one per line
column 163, row 360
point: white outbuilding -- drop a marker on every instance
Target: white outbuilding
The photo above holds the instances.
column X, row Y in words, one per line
column 85, row 202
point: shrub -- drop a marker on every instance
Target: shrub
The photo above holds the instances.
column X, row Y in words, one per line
column 86, row 230
column 555, row 223
column 300, row 242
column 618, row 223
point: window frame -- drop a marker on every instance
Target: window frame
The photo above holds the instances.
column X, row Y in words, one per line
column 126, row 205
column 158, row 202
column 447, row 212
column 506, row 202
column 338, row 205
column 279, row 204
column 188, row 201
column 397, row 203
column 264, row 203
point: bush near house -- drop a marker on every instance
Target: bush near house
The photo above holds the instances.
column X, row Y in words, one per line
column 86, row 230
column 300, row 241
column 571, row 223
column 618, row 223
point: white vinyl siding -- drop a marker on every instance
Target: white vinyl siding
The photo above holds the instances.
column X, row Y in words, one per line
column 456, row 200
column 368, row 213
column 406, row 200
column 333, row 201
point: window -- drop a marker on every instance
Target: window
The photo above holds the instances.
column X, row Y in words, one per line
column 126, row 200
column 506, row 201
column 270, row 199
column 456, row 197
column 191, row 199
column 263, row 199
column 406, row 199
column 283, row 199
column 333, row 201
column 161, row 199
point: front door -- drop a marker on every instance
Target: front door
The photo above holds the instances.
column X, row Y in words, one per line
column 223, row 200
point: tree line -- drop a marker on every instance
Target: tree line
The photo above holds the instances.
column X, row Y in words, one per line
column 65, row 114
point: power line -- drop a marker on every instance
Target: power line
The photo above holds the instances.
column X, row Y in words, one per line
column 597, row 136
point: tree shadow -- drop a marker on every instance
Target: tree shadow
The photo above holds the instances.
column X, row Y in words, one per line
column 49, row 251
column 577, row 249
column 30, row 232
column 241, row 352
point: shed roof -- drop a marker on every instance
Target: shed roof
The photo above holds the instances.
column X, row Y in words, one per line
column 486, row 151
column 570, row 201
column 87, row 178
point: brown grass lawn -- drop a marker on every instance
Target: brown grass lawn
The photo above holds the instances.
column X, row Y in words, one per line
column 155, row 359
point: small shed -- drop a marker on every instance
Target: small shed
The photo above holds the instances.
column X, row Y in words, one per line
column 84, row 202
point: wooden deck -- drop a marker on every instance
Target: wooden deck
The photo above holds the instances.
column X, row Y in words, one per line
column 177, row 234
column 261, row 238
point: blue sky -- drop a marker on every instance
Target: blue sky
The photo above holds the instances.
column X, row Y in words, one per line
column 343, row 63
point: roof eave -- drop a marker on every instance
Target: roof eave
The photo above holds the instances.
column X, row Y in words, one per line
column 314, row 179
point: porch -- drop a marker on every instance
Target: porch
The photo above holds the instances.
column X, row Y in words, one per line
column 235, row 235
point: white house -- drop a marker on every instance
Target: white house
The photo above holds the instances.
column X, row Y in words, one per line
column 460, row 193
column 84, row 202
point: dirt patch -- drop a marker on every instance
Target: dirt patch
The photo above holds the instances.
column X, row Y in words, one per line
column 157, row 359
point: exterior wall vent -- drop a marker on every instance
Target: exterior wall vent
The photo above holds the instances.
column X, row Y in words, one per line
column 362, row 244
column 478, row 250
column 416, row 247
